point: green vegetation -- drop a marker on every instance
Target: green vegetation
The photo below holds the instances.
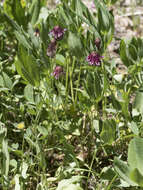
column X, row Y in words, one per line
column 68, row 119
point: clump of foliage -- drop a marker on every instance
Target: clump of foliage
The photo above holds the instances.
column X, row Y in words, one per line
column 67, row 115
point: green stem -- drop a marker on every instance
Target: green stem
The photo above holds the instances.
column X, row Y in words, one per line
column 109, row 186
column 104, row 102
column 77, row 86
column 67, row 73
column 90, row 168
column 71, row 83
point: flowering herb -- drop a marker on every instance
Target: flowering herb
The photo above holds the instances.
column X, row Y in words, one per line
column 51, row 50
column 37, row 32
column 58, row 71
column 94, row 59
column 57, row 32
column 97, row 42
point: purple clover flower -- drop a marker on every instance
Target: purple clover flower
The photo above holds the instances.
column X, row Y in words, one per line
column 58, row 71
column 51, row 50
column 58, row 32
column 94, row 59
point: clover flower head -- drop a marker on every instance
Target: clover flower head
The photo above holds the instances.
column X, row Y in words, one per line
column 58, row 71
column 94, row 59
column 51, row 50
column 57, row 32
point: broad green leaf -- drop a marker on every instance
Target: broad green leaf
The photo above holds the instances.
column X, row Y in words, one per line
column 133, row 52
column 60, row 59
column 83, row 11
column 24, row 169
column 127, row 53
column 93, row 86
column 123, row 170
column 7, row 81
column 69, row 184
column 124, row 53
column 43, row 130
column 3, row 132
column 103, row 18
column 6, row 158
column 7, row 6
column 97, row 84
column 28, row 66
column 34, row 11
column 28, row 93
column 138, row 102
column 19, row 13
column 65, row 15
column 89, row 84
column 74, row 44
column 22, row 39
column 108, row 131
column 134, row 128
column 35, row 41
column 14, row 10
column 11, row 22
column 118, row 77
column 13, row 163
column 135, row 154
column 1, row 81
column 107, row 173
column 17, row 182
column 137, row 177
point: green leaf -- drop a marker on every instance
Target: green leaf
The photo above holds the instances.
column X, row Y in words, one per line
column 69, row 184
column 7, row 81
column 28, row 93
column 136, row 176
column 126, row 53
column 6, row 159
column 74, row 44
column 24, row 170
column 22, row 39
column 103, row 19
column 84, row 12
column 123, row 53
column 107, row 173
column 134, row 128
column 123, row 170
column 93, row 86
column 138, row 102
column 19, row 13
column 15, row 11
column 28, row 66
column 35, row 41
column 108, row 131
column 60, row 59
column 3, row 132
column 43, row 130
column 135, row 154
column 1, row 81
column 34, row 11
column 17, row 182
column 133, row 52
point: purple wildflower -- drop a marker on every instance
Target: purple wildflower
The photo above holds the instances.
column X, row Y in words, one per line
column 58, row 71
column 57, row 32
column 94, row 59
column 51, row 50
